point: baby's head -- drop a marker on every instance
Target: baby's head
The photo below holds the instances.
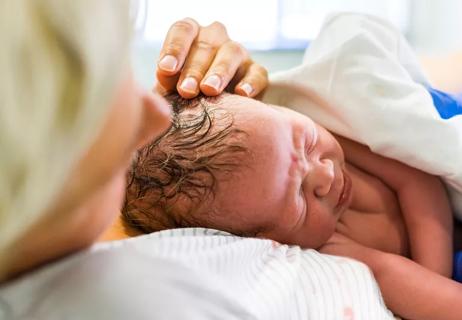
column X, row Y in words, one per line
column 238, row 165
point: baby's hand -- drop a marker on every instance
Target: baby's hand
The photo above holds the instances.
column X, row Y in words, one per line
column 341, row 245
column 195, row 58
column 336, row 245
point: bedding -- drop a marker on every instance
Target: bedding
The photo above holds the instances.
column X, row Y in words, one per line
column 267, row 279
column 378, row 95
column 205, row 273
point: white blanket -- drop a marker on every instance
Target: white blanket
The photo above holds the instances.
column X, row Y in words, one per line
column 366, row 70
column 196, row 274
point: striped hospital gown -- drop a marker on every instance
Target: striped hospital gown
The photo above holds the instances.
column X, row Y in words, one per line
column 196, row 274
column 270, row 280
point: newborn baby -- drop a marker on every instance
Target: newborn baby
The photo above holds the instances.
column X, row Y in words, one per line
column 238, row 165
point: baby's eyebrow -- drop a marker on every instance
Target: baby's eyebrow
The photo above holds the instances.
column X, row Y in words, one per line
column 298, row 160
column 315, row 136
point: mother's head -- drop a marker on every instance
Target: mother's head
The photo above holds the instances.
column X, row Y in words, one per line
column 70, row 118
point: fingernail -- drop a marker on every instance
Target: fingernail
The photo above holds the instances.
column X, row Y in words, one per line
column 213, row 81
column 189, row 84
column 247, row 88
column 168, row 63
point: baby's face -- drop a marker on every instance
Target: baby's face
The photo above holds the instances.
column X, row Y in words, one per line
column 293, row 186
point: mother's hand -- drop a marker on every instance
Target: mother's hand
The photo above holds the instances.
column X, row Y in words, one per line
column 195, row 58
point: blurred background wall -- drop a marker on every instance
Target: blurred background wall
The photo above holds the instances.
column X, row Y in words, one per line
column 277, row 31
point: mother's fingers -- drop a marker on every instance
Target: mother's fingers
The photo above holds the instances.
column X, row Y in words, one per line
column 176, row 46
column 195, row 58
column 229, row 58
column 254, row 81
column 201, row 56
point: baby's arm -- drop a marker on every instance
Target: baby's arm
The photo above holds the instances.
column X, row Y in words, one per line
column 423, row 201
column 409, row 290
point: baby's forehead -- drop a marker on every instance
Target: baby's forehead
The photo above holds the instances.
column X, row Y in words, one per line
column 248, row 112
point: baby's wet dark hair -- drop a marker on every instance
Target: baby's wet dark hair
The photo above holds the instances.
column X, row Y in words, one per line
column 172, row 177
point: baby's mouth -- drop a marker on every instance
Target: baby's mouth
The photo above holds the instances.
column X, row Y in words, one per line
column 345, row 194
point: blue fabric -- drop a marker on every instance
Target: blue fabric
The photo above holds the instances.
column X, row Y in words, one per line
column 457, row 271
column 448, row 105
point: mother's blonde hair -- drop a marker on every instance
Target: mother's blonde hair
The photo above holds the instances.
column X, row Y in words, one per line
column 59, row 64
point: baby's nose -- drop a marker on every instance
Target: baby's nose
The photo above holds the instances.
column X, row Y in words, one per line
column 323, row 177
